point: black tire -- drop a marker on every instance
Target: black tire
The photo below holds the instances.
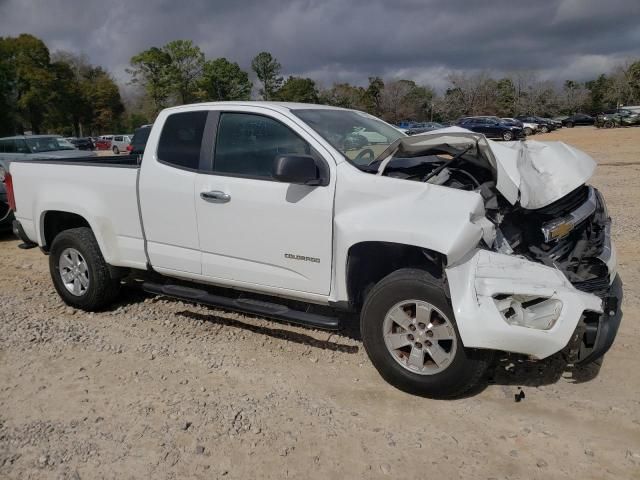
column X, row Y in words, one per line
column 102, row 289
column 544, row 129
column 116, row 150
column 528, row 131
column 569, row 124
column 507, row 136
column 467, row 366
column 608, row 124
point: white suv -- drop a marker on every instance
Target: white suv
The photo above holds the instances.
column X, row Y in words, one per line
column 119, row 143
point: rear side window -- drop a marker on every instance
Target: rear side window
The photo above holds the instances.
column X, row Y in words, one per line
column 180, row 139
column 7, row 146
column 247, row 144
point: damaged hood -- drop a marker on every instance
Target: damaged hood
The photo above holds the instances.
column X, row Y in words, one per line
column 533, row 173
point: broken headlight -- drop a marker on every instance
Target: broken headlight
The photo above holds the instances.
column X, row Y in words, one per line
column 527, row 311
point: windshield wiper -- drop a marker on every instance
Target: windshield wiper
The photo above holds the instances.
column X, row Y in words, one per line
column 436, row 171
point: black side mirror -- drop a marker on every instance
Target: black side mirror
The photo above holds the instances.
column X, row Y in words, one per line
column 298, row 169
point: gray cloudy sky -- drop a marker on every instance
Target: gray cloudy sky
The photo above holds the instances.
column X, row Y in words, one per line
column 349, row 40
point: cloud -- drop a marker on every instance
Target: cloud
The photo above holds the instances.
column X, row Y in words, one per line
column 334, row 40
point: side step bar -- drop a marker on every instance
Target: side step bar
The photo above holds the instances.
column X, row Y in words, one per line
column 244, row 305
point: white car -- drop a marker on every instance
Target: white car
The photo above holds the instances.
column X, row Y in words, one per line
column 447, row 245
column 119, row 143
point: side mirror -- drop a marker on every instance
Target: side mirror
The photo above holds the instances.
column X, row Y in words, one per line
column 298, row 169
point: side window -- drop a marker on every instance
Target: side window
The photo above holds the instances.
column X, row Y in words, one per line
column 180, row 139
column 8, row 146
column 247, row 144
column 21, row 146
column 117, row 139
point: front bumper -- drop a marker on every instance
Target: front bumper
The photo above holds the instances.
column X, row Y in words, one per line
column 479, row 285
column 595, row 334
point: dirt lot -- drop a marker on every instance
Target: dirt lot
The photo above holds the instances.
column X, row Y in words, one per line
column 157, row 388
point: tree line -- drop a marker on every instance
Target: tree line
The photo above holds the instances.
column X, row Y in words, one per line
column 65, row 93
column 41, row 92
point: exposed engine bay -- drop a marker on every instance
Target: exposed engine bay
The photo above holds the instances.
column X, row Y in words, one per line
column 569, row 234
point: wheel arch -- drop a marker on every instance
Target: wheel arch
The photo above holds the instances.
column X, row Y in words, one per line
column 368, row 262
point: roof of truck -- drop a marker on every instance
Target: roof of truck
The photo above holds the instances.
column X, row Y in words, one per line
column 260, row 103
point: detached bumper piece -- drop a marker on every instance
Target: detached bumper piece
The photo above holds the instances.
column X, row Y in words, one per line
column 19, row 232
column 595, row 333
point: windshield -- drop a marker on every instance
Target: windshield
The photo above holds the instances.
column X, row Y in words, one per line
column 360, row 137
column 48, row 144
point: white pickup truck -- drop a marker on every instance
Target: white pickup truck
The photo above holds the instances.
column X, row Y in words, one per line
column 448, row 245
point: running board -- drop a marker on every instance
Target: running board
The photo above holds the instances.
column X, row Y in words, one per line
column 244, row 305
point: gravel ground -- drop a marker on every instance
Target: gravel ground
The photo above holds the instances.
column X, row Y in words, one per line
column 164, row 389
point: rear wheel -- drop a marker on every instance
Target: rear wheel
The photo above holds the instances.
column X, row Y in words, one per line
column 608, row 124
column 507, row 136
column 116, row 150
column 528, row 131
column 410, row 334
column 544, row 129
column 569, row 124
column 79, row 272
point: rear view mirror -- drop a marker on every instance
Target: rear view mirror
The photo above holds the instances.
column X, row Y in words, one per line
column 298, row 169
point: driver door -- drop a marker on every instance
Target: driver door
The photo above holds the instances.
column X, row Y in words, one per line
column 253, row 229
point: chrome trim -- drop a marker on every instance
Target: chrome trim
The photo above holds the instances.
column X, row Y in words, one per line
column 572, row 219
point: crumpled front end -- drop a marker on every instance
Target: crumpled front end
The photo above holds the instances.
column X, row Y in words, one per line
column 550, row 283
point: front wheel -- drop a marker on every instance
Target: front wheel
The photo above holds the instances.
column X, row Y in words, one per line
column 79, row 272
column 544, row 129
column 410, row 334
column 528, row 131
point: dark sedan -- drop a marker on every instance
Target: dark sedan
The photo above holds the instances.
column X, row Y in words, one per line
column 578, row 119
column 492, row 127
column 82, row 143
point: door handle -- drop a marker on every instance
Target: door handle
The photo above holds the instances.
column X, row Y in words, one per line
column 215, row 196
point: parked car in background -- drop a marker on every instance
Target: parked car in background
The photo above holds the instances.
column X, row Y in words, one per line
column 544, row 125
column 35, row 147
column 492, row 127
column 83, row 143
column 119, row 143
column 139, row 140
column 103, row 144
column 424, row 127
column 578, row 119
column 617, row 118
column 555, row 123
column 6, row 214
column 30, row 147
column 528, row 127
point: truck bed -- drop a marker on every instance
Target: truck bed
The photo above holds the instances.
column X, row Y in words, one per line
column 106, row 198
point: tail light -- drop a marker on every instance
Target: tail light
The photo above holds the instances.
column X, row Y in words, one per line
column 8, row 184
column 129, row 147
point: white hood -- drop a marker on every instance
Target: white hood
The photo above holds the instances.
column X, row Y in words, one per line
column 534, row 173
